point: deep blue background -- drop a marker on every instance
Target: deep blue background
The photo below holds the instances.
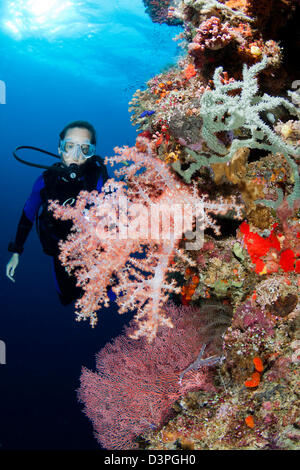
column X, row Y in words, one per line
column 50, row 81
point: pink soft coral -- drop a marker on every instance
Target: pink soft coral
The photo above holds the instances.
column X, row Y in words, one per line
column 105, row 238
column 211, row 34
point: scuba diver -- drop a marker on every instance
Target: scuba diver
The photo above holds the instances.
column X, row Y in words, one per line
column 79, row 169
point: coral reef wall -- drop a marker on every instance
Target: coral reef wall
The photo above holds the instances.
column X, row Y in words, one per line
column 201, row 127
column 161, row 11
column 221, row 127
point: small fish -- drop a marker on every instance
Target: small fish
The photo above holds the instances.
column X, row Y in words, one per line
column 147, row 113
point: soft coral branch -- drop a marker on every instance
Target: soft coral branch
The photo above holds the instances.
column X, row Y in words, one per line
column 97, row 250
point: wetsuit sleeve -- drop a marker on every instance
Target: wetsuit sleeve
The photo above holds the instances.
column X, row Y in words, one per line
column 29, row 212
column 100, row 183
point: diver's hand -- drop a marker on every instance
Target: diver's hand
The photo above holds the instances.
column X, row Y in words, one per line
column 11, row 266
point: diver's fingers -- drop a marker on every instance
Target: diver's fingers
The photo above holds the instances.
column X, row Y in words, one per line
column 10, row 271
column 11, row 278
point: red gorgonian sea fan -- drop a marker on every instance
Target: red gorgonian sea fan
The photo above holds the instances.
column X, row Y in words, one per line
column 136, row 382
column 111, row 226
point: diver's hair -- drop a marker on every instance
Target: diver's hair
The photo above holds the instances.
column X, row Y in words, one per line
column 82, row 125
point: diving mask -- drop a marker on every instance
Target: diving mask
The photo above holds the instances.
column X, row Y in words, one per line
column 76, row 149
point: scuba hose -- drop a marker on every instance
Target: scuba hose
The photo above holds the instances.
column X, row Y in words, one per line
column 71, row 172
column 37, row 165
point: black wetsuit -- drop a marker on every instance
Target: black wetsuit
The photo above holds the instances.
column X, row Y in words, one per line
column 51, row 184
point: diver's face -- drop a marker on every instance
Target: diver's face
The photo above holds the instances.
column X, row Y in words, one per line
column 78, row 136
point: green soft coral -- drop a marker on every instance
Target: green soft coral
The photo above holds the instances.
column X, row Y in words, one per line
column 241, row 112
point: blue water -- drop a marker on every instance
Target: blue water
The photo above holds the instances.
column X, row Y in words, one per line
column 80, row 60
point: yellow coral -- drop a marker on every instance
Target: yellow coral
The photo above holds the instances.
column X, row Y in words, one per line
column 255, row 51
column 171, row 157
column 286, row 130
